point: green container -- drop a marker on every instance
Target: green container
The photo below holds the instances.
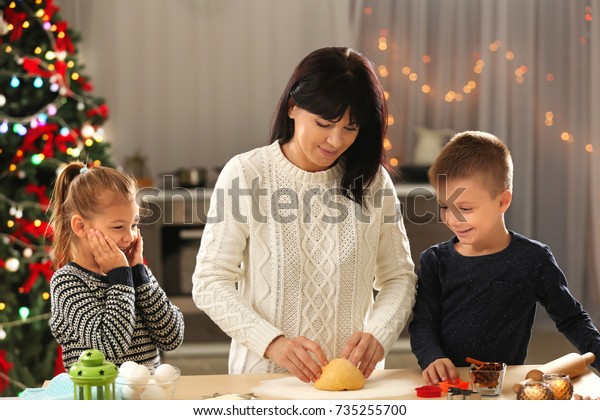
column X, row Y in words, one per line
column 93, row 377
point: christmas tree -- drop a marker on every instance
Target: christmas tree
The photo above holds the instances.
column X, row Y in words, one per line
column 48, row 117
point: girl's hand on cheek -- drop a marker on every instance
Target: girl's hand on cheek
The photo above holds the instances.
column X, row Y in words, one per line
column 136, row 250
column 106, row 253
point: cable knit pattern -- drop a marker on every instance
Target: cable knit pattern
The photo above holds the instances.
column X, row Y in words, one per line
column 284, row 252
column 109, row 313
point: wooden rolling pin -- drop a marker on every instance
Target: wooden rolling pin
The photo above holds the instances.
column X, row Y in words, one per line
column 571, row 364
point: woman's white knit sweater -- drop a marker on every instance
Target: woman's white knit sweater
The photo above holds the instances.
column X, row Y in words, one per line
column 284, row 252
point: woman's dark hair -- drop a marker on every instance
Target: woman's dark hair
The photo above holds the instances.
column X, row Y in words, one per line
column 327, row 82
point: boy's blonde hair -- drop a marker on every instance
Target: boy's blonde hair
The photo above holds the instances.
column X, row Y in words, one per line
column 78, row 190
column 475, row 153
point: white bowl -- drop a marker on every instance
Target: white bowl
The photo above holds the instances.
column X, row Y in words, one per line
column 127, row 389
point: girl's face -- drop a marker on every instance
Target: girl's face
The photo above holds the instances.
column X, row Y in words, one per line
column 475, row 217
column 119, row 221
column 318, row 143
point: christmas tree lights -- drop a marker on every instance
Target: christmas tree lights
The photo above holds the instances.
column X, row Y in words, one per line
column 48, row 117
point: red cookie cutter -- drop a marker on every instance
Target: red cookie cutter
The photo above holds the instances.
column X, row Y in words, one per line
column 429, row 391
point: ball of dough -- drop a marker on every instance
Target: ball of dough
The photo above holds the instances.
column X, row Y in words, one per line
column 340, row 375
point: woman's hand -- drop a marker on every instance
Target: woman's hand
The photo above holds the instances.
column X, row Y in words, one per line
column 440, row 370
column 106, row 253
column 364, row 351
column 135, row 252
column 298, row 356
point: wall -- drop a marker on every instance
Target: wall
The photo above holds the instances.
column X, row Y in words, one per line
column 193, row 82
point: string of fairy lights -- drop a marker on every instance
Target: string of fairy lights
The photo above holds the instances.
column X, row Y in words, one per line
column 54, row 71
column 458, row 94
column 23, row 313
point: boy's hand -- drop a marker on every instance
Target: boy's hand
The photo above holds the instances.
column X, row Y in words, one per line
column 364, row 351
column 135, row 252
column 440, row 370
column 106, row 253
column 301, row 356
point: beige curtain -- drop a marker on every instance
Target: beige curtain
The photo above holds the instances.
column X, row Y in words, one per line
column 537, row 87
column 593, row 232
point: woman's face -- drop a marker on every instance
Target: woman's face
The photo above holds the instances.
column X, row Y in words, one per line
column 317, row 143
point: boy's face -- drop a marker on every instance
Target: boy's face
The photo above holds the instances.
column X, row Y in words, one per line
column 469, row 210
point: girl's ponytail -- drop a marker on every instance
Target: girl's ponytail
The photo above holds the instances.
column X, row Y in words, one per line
column 60, row 214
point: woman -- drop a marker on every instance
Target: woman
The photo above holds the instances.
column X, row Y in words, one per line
column 302, row 231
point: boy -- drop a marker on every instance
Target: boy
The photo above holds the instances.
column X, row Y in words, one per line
column 477, row 293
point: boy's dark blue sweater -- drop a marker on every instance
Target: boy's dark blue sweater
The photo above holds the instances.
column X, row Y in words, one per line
column 484, row 307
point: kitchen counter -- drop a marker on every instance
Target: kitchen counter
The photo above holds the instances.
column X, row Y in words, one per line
column 388, row 384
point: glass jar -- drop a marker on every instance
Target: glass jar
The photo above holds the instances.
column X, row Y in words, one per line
column 488, row 378
column 535, row 390
column 560, row 384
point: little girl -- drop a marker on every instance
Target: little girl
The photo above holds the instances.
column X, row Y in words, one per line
column 103, row 296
